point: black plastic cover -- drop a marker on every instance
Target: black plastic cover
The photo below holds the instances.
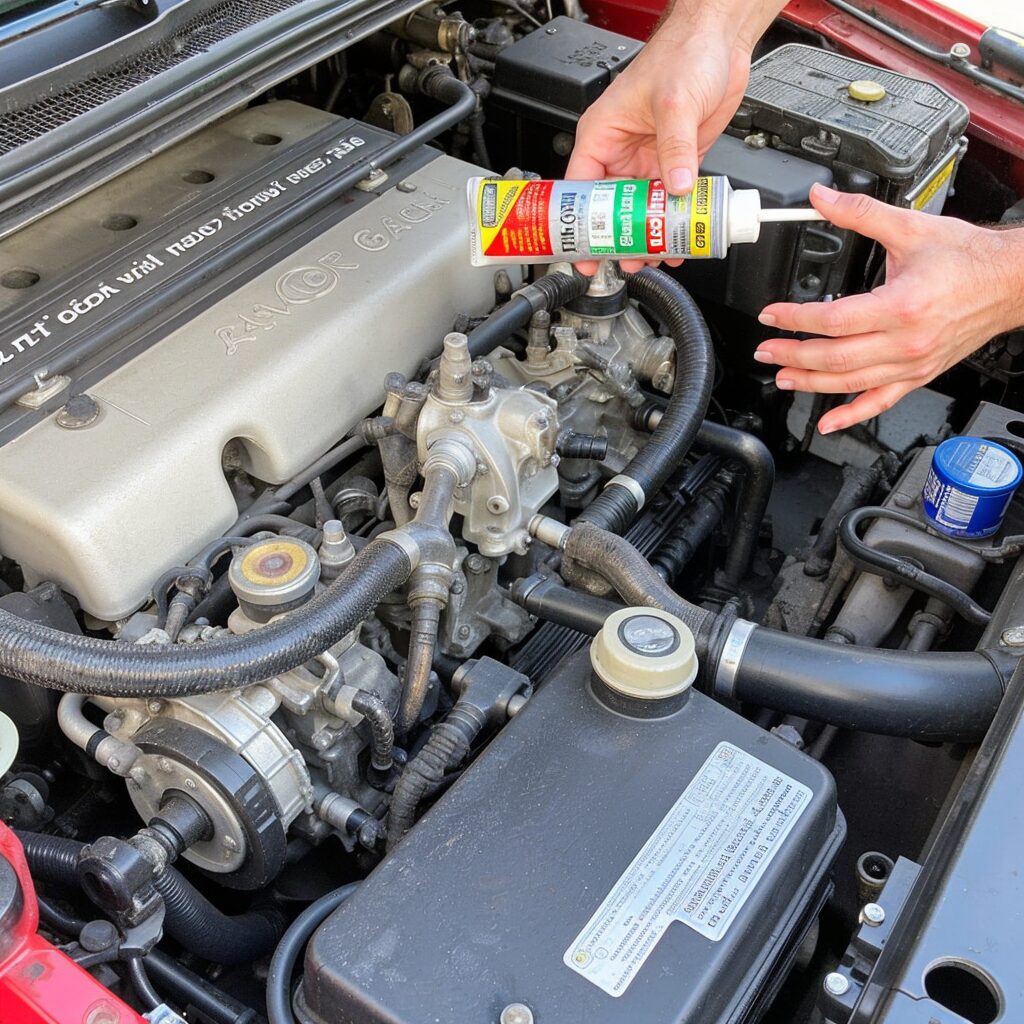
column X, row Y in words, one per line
column 790, row 262
column 800, row 95
column 480, row 903
column 557, row 71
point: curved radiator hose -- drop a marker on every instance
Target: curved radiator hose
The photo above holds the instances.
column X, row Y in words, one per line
column 61, row 661
column 617, row 505
column 190, row 918
column 946, row 696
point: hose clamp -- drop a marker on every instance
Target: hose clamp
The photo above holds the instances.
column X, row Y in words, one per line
column 732, row 654
column 549, row 531
column 404, row 541
column 629, row 484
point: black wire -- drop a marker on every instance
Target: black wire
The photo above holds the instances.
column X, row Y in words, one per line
column 881, row 564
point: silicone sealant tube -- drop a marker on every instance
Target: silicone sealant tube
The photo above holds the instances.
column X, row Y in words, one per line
column 551, row 221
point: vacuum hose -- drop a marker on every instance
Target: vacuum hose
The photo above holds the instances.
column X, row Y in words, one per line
column 617, row 505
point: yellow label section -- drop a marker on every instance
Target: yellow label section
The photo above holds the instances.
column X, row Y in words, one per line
column 700, row 217
column 931, row 190
column 495, row 199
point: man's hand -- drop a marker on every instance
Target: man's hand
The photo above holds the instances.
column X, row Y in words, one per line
column 661, row 115
column 950, row 287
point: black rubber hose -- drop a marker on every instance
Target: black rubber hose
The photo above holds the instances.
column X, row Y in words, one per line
column 190, row 918
column 282, row 964
column 548, row 599
column 755, row 491
column 60, row 661
column 616, row 506
column 615, row 560
column 942, row 697
column 550, row 292
column 382, row 730
column 201, row 928
column 142, row 985
column 867, row 558
column 188, row 989
column 447, row 747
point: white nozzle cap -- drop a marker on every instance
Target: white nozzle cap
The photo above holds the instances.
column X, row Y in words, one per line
column 744, row 215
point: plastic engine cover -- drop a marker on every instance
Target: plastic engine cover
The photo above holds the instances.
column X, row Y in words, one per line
column 283, row 366
column 597, row 869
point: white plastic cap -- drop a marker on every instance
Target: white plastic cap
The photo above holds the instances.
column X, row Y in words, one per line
column 744, row 215
column 8, row 743
column 644, row 653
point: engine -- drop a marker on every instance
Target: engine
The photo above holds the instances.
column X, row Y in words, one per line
column 519, row 605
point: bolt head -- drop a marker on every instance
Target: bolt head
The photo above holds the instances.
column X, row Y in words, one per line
column 872, row 914
column 1012, row 637
column 836, row 984
column 960, row 50
column 516, row 1013
column 154, row 707
column 497, row 504
column 464, row 632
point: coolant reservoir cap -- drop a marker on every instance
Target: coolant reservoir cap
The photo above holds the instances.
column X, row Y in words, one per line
column 645, row 655
column 274, row 574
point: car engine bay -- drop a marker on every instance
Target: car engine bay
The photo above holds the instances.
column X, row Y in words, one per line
column 385, row 639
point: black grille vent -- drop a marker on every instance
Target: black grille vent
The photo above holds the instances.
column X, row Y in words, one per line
column 195, row 37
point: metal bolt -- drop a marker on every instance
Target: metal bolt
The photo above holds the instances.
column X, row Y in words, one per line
column 872, row 914
column 516, row 1013
column 464, row 632
column 476, row 564
column 550, row 32
column 836, row 984
column 456, row 417
column 190, row 784
column 154, row 707
column 1012, row 637
column 414, row 500
column 961, row 51
column 164, row 765
column 230, row 843
column 497, row 504
column 458, row 586
column 406, row 186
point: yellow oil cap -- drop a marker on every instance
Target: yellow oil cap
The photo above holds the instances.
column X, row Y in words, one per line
column 866, row 90
column 274, row 573
column 644, row 654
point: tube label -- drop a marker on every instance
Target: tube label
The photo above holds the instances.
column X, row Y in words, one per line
column 549, row 221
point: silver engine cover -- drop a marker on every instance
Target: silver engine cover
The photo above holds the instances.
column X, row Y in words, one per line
column 284, row 366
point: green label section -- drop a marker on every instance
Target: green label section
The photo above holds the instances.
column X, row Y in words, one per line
column 622, row 214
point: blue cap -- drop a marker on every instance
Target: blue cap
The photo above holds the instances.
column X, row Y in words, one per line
column 970, row 485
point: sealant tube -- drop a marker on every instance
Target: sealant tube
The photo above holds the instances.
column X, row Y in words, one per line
column 551, row 221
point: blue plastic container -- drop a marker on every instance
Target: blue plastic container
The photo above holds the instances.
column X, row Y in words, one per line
column 969, row 486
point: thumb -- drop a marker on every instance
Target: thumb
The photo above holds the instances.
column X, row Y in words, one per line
column 677, row 148
column 869, row 217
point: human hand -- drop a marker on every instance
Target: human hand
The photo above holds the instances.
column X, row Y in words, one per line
column 950, row 287
column 662, row 114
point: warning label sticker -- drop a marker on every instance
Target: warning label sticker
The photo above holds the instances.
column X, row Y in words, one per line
column 701, row 863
